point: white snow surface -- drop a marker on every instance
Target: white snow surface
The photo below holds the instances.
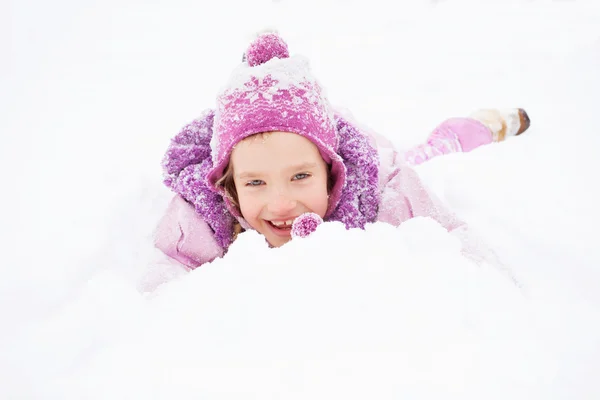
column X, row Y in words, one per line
column 91, row 93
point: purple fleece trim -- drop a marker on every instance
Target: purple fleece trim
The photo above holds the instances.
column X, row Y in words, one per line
column 359, row 202
column 185, row 166
column 188, row 161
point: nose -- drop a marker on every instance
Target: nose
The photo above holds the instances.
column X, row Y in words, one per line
column 281, row 204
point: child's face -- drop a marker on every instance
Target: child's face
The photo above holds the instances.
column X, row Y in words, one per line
column 278, row 176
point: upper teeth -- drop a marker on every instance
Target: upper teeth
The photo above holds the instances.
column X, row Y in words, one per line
column 282, row 223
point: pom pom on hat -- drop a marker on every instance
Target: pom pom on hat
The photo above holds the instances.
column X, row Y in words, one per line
column 305, row 224
column 265, row 47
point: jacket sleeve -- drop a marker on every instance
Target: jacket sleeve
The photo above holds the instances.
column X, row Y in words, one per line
column 403, row 193
column 196, row 227
column 183, row 235
column 405, row 196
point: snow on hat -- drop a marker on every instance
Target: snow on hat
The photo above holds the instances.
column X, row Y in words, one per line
column 271, row 91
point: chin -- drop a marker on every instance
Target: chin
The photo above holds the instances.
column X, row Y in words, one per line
column 278, row 242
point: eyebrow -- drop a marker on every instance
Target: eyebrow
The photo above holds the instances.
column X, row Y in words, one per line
column 306, row 165
column 299, row 167
column 245, row 175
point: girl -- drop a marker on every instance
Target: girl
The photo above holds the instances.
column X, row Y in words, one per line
column 275, row 149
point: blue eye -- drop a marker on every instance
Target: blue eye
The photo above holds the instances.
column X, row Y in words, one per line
column 255, row 182
column 301, row 176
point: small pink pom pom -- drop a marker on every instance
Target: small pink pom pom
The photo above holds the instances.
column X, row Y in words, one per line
column 265, row 47
column 305, row 224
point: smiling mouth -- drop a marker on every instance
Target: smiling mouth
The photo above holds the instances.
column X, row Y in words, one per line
column 281, row 227
column 282, row 224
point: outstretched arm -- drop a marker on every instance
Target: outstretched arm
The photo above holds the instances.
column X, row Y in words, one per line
column 403, row 193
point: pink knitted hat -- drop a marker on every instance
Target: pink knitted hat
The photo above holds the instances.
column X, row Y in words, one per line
column 272, row 91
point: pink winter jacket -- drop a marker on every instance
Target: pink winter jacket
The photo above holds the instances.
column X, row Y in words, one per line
column 184, row 235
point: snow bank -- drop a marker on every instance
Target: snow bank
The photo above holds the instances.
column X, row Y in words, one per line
column 339, row 314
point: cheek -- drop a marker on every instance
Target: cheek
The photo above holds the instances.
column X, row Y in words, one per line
column 318, row 198
column 249, row 206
